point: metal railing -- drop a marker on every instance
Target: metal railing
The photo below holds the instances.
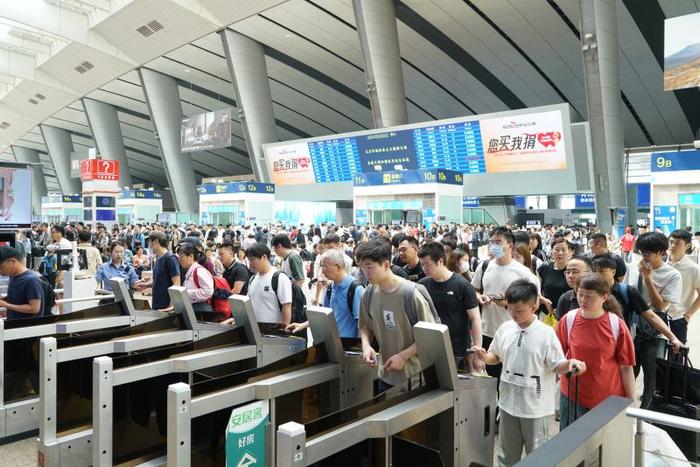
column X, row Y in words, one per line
column 642, row 415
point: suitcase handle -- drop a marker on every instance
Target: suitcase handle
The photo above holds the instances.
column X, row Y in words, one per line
column 570, row 375
column 685, row 350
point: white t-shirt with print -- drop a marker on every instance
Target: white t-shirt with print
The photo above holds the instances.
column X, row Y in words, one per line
column 529, row 357
column 265, row 304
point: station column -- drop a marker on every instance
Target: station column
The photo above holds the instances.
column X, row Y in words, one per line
column 60, row 146
column 163, row 100
column 104, row 123
column 379, row 39
column 31, row 156
column 251, row 86
column 599, row 46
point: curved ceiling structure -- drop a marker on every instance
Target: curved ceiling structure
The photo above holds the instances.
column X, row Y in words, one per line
column 459, row 57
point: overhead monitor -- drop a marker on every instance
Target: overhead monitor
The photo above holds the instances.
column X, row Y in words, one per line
column 682, row 52
column 207, row 130
column 523, row 143
column 15, row 196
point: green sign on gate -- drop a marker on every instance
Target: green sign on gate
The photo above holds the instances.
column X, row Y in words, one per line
column 245, row 435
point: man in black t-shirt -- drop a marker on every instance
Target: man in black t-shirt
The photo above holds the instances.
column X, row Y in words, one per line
column 599, row 247
column 235, row 273
column 408, row 253
column 455, row 301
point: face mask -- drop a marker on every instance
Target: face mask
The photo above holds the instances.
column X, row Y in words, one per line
column 463, row 267
column 497, row 251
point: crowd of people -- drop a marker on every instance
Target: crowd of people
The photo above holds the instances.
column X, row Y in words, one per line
column 527, row 306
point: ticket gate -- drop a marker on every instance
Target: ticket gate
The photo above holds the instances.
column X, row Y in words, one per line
column 307, row 384
column 19, row 353
column 127, row 389
column 448, row 421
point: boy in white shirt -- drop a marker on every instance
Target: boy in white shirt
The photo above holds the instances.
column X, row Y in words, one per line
column 531, row 356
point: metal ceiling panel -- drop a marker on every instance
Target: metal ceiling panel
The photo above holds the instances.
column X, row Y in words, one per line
column 673, row 8
column 429, row 96
column 118, row 100
column 163, row 25
column 80, row 67
column 230, row 11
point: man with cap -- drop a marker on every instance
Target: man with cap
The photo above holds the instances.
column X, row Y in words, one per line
column 25, row 294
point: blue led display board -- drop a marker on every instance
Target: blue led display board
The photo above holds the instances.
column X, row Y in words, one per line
column 400, row 177
column 585, row 201
column 235, row 187
column 675, row 161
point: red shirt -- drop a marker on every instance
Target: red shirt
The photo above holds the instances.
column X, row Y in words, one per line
column 627, row 242
column 592, row 341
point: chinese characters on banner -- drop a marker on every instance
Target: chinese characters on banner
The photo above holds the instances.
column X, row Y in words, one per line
column 96, row 169
column 290, row 164
column 524, row 142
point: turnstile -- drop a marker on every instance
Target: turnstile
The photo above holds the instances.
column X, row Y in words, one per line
column 447, row 422
column 129, row 391
column 19, row 353
column 309, row 384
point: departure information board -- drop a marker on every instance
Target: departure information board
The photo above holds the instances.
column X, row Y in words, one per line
column 508, row 143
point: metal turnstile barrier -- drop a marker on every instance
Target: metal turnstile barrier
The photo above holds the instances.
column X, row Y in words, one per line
column 460, row 410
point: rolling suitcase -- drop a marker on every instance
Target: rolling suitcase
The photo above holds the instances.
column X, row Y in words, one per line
column 666, row 402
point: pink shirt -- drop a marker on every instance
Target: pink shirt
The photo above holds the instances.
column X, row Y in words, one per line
column 203, row 288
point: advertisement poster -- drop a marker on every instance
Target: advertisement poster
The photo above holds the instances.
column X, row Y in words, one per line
column 665, row 218
column 15, row 197
column 290, row 164
column 206, row 131
column 520, row 143
column 682, row 52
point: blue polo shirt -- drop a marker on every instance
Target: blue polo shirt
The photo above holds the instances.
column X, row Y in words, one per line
column 109, row 271
column 164, row 270
column 21, row 289
column 346, row 319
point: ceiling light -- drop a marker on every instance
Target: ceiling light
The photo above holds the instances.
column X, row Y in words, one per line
column 5, row 28
column 187, row 70
column 288, row 36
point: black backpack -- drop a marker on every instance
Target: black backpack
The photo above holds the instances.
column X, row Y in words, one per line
column 298, row 297
column 49, row 297
column 351, row 293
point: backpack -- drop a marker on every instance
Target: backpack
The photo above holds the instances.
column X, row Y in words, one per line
column 571, row 317
column 350, row 296
column 219, row 299
column 408, row 290
column 49, row 297
column 47, row 267
column 298, row 297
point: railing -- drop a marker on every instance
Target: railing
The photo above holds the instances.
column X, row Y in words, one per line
column 642, row 415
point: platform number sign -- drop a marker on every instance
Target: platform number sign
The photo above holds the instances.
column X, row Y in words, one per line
column 245, row 435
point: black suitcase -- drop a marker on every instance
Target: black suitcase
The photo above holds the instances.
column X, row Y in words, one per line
column 688, row 442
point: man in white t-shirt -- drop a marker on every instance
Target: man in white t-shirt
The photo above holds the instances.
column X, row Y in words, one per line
column 270, row 306
column 493, row 279
column 531, row 355
column 679, row 314
column 660, row 286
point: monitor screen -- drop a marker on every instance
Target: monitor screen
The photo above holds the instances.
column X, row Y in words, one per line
column 87, row 214
column 87, row 202
column 206, row 131
column 106, row 215
column 105, row 201
column 15, row 197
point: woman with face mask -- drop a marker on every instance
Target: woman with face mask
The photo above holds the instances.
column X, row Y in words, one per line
column 460, row 262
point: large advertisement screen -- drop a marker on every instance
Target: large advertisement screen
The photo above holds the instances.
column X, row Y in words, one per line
column 15, row 197
column 492, row 143
column 682, row 52
column 207, row 130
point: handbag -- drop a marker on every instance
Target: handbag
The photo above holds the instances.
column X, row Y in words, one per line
column 550, row 319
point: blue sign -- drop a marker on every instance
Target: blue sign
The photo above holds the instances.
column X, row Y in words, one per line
column 585, row 201
column 665, row 218
column 471, row 202
column 428, row 217
column 643, row 195
column 620, row 221
column 675, row 161
column 403, row 177
column 395, row 204
column 520, row 202
column 236, row 187
column 141, row 194
column 384, row 152
column 71, row 199
column 689, row 199
column 361, row 217
column 335, row 160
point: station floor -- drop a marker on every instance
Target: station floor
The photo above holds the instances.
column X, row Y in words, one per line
column 23, row 453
